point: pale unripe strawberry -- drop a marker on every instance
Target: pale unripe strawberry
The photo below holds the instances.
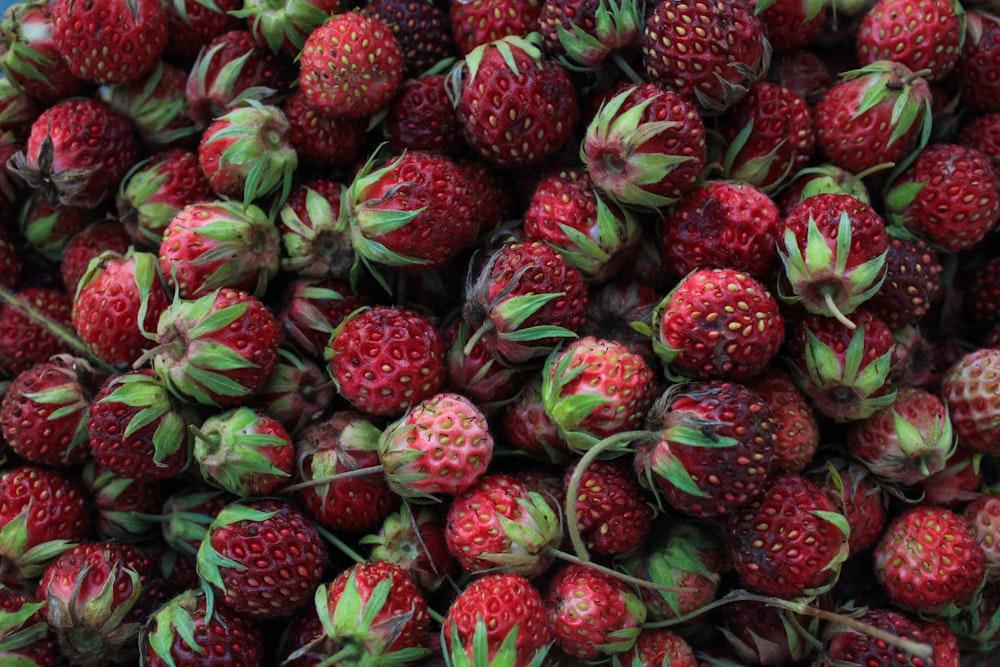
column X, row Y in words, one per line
column 971, row 389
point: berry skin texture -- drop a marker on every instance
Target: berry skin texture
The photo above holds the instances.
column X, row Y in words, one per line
column 928, row 561
column 921, row 34
column 848, row 646
column 971, row 389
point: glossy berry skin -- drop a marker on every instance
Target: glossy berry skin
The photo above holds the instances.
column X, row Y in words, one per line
column 24, row 342
column 900, row 30
column 912, row 285
column 971, row 389
column 797, row 430
column 386, row 359
column 844, row 645
column 976, row 70
column 613, row 512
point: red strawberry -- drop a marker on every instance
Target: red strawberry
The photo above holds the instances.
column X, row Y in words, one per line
column 899, row 30
column 982, row 515
column 118, row 302
column 125, row 507
column 614, row 307
column 25, row 634
column 713, row 66
column 842, row 644
column 218, row 349
column 590, row 614
column 789, row 541
column 320, row 140
column 983, row 293
column 797, row 431
column 976, row 69
column 982, row 132
column 913, row 277
column 928, row 560
column 48, row 226
column 88, row 243
column 613, row 512
column 790, row 24
column 413, row 538
column 857, row 123
column 971, row 390
column 30, row 58
column 263, row 558
column 475, row 371
column 109, row 41
column 25, row 342
column 948, row 195
column 717, row 323
column 312, row 308
column 385, row 359
column 422, row 29
column 479, row 22
column 157, row 105
column 858, row 495
column 9, row 261
column 422, row 117
column 184, row 630
column 659, row 646
column 584, row 34
column 959, row 483
column 296, row 392
column 499, row 618
column 765, row 635
column 528, row 428
column 43, row 512
column 351, row 65
column 516, row 107
column 77, row 152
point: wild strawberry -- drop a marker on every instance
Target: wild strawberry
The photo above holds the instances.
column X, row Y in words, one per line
column 928, row 560
column 761, row 634
column 528, row 428
column 913, row 276
column 185, row 629
column 613, row 512
column 10, row 262
column 960, row 481
column 421, row 117
column 971, row 390
column 345, row 442
column 386, row 359
column 218, row 349
column 137, row 429
column 244, row 451
column 475, row 371
column 187, row 515
column 413, row 538
column 796, row 432
column 875, row 114
column 25, row 633
column 421, row 28
column 645, row 147
column 43, row 413
column 858, row 496
column 441, row 445
column 30, row 58
column 983, row 294
column 976, row 69
column 516, row 107
column 982, row 132
column 213, row 244
column 263, row 558
column 722, row 224
column 351, row 65
column 594, row 388
column 612, row 309
column 659, row 646
column 88, row 243
column 942, row 639
column 499, row 618
column 499, row 523
column 312, row 308
column 109, row 41
column 25, row 342
column 844, row 371
column 296, row 392
column 373, row 610
column 97, row 596
column 246, row 154
column 948, row 196
column 899, row 30
column 833, row 248
column 311, row 225
column 479, row 22
column 717, row 323
column 124, row 507
column 590, row 614
column 584, row 34
column 790, row 540
column 790, row 24
column 597, row 237
column 904, row 442
column 766, row 137
column 118, row 302
column 981, row 515
column 713, row 66
column 849, row 644
column 713, row 450
column 47, row 226
column 77, row 152
column 157, row 105
column 525, row 300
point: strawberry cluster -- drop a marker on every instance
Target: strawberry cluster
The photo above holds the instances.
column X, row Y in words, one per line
column 500, row 334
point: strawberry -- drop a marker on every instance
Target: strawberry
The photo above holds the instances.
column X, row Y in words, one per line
column 312, row 308
column 157, row 105
column 943, row 640
column 218, row 349
column 981, row 515
column 187, row 515
column 722, row 224
column 591, row 614
column 597, row 237
column 713, row 450
column 982, row 132
column 516, row 107
column 244, row 452
column 385, row 359
column 584, row 34
column 342, row 443
column 713, row 66
column 761, row 634
column 976, row 69
column 842, row 644
column 960, row 481
column 421, row 117
column 971, row 388
column 351, row 65
column 948, row 195
column 283, row 27
column 213, row 244
column 527, row 426
column 802, row 71
column 928, row 560
column 421, row 28
column 499, row 619
column 29, row 56
column 193, row 25
column 912, row 285
column 797, row 431
column 296, row 392
column 613, row 512
column 109, row 41
column 645, row 147
column 372, row 611
column 311, row 225
column 983, row 300
column 263, row 558
column 899, row 30
column 499, row 523
column 717, row 323
column 525, row 300
column 442, row 445
column 184, row 631
column 24, row 633
column 833, row 247
column 904, row 442
column 790, row 24
column 612, row 309
column 790, row 540
column 10, row 262
column 48, row 226
column 246, row 153
column 97, row 596
column 843, row 370
column 875, row 114
column 25, row 342
column 593, row 389
column 319, row 140
column 474, row 371
column 125, row 507
column 858, row 496
column 44, row 412
column 77, row 152
column 479, row 22
column 88, row 243
column 659, row 646
column 118, row 302
column 136, row 428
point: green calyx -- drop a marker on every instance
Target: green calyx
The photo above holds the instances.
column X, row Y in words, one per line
column 617, row 24
column 322, row 247
column 18, row 632
column 282, row 23
column 151, row 110
column 174, row 620
column 569, row 412
column 232, row 454
column 154, row 405
column 591, row 254
column 537, row 528
column 478, row 652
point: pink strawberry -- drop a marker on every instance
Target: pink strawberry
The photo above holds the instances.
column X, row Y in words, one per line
column 971, row 390
column 413, row 538
column 982, row 514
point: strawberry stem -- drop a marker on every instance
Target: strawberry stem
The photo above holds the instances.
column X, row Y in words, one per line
column 626, row 69
column 341, row 546
column 621, row 576
column 318, row 481
column 835, row 311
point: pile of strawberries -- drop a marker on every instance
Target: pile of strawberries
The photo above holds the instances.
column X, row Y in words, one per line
column 500, row 333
